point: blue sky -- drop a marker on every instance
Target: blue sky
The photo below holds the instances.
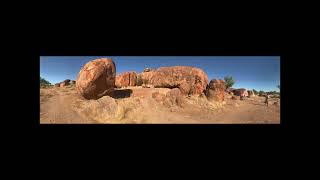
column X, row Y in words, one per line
column 250, row 72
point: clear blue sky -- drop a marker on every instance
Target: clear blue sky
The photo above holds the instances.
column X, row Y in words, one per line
column 250, row 72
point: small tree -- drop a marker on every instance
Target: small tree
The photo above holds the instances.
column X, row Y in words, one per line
column 229, row 81
column 261, row 92
column 255, row 91
column 44, row 83
column 139, row 80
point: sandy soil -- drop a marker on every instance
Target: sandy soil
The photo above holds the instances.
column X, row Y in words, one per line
column 135, row 105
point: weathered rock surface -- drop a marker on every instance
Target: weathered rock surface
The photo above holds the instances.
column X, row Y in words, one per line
column 126, row 79
column 189, row 80
column 216, row 90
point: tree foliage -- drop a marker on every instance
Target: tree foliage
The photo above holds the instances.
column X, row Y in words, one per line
column 44, row 82
column 229, row 81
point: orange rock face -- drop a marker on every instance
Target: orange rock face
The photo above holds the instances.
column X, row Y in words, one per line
column 216, row 90
column 189, row 80
column 96, row 78
column 126, row 79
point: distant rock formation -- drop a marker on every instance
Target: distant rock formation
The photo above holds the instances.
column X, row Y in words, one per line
column 96, row 78
column 240, row 92
column 64, row 83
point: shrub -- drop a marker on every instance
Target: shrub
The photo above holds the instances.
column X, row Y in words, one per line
column 44, row 83
column 229, row 81
column 255, row 91
column 139, row 80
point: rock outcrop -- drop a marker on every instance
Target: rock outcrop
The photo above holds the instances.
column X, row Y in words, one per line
column 171, row 98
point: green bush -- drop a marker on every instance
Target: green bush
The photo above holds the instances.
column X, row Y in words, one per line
column 229, row 81
column 44, row 83
column 255, row 91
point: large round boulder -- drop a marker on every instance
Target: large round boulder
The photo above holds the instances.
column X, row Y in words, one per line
column 96, row 78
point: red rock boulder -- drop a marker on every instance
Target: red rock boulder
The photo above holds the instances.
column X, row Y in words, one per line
column 216, row 90
column 240, row 92
column 126, row 79
column 189, row 80
column 96, row 78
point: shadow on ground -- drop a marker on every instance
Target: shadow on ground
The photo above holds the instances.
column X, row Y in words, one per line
column 122, row 93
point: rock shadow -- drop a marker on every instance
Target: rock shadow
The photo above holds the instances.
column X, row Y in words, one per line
column 122, row 93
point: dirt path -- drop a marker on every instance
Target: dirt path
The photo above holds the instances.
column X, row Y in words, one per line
column 249, row 112
column 57, row 109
